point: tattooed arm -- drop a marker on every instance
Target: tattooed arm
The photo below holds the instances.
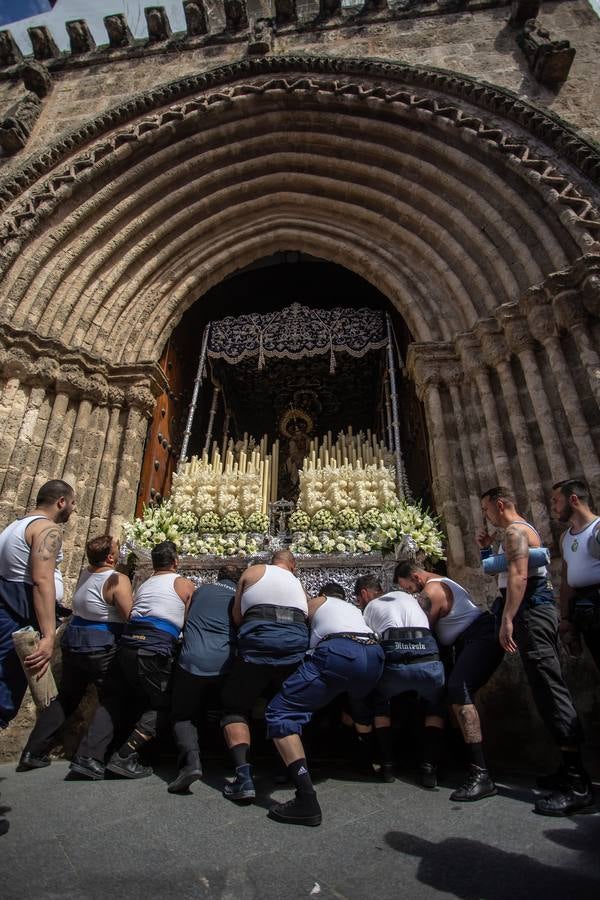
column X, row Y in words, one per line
column 516, row 548
column 46, row 541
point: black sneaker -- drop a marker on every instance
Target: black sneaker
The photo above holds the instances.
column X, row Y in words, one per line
column 428, row 775
column 304, row 809
column 188, row 773
column 88, row 767
column 128, row 766
column 571, row 798
column 240, row 789
column 4, row 825
column 28, row 762
column 477, row 785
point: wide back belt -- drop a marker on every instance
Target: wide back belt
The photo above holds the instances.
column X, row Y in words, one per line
column 284, row 615
column 405, row 634
column 80, row 622
column 361, row 637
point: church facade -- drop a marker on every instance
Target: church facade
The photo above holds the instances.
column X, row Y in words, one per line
column 444, row 152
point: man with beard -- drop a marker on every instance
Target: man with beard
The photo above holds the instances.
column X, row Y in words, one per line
column 29, row 550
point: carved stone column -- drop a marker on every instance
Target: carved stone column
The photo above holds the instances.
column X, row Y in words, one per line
column 470, row 355
column 543, row 327
column 423, row 366
column 571, row 317
column 521, row 343
column 454, row 379
column 496, row 355
column 141, row 404
column 103, row 494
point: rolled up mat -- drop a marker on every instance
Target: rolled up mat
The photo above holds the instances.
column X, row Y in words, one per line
column 43, row 690
column 538, row 556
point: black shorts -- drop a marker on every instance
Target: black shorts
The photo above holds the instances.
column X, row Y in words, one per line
column 247, row 682
column 472, row 660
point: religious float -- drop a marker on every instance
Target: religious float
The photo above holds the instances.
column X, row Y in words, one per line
column 339, row 500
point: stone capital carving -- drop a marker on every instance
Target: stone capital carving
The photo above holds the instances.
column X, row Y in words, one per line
column 516, row 328
column 261, row 40
column 537, row 307
column 141, row 397
column 492, row 342
column 39, row 361
column 550, row 60
column 569, row 309
column 430, row 364
column 470, row 354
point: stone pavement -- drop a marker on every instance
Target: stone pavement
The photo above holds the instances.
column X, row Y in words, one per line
column 81, row 841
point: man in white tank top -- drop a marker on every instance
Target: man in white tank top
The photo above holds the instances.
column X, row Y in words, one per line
column 101, row 606
column 29, row 549
column 529, row 625
column 270, row 610
column 412, row 664
column 471, row 653
column 580, row 581
column 140, row 678
column 346, row 658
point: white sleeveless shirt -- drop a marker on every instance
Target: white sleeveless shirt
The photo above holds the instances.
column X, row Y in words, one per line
column 583, row 569
column 88, row 599
column 396, row 609
column 463, row 612
column 277, row 587
column 15, row 551
column 541, row 571
column 336, row 616
column 158, row 597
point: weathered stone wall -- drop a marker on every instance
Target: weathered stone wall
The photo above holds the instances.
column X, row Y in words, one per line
column 479, row 43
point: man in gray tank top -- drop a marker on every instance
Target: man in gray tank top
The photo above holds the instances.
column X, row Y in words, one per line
column 529, row 625
column 29, row 549
column 471, row 654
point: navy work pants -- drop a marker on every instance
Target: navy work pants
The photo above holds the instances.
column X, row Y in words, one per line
column 337, row 666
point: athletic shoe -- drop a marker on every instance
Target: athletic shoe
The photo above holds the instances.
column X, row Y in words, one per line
column 477, row 785
column 190, row 772
column 574, row 797
column 4, row 825
column 240, row 789
column 28, row 762
column 304, row 809
column 128, row 766
column 88, row 767
column 428, row 775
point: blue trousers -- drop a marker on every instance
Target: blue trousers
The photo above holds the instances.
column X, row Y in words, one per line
column 337, row 666
column 13, row 683
column 424, row 678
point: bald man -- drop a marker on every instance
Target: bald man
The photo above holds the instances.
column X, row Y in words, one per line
column 271, row 612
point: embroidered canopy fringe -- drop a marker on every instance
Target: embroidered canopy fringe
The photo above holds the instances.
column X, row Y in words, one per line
column 296, row 332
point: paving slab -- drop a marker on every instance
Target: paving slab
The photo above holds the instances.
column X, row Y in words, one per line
column 78, row 840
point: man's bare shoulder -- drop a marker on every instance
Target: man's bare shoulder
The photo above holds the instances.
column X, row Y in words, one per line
column 45, row 538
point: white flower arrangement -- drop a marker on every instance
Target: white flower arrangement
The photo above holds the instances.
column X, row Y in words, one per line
column 200, row 488
column 258, row 523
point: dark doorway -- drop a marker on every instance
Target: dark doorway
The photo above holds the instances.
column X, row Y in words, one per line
column 351, row 395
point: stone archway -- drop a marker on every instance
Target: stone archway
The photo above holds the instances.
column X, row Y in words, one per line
column 475, row 214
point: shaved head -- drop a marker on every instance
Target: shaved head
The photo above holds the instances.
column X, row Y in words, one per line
column 285, row 559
